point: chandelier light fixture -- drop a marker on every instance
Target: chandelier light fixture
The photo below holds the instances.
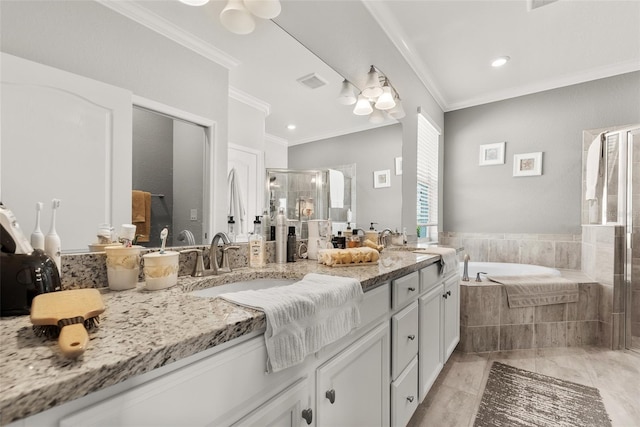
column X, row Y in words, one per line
column 238, row 16
column 378, row 100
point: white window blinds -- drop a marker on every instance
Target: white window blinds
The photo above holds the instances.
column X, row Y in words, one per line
column 427, row 175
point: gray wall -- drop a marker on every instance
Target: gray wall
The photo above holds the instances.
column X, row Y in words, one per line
column 86, row 38
column 371, row 150
column 488, row 198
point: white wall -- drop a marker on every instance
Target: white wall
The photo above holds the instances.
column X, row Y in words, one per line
column 489, row 199
column 86, row 38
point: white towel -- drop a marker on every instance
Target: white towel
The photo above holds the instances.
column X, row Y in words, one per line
column 236, row 205
column 593, row 168
column 305, row 316
column 531, row 291
column 448, row 258
column 336, row 189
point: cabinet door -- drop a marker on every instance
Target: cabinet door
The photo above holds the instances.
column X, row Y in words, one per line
column 431, row 343
column 291, row 408
column 352, row 389
column 451, row 315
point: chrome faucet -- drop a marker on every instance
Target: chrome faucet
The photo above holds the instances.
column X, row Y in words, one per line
column 465, row 272
column 384, row 237
column 213, row 256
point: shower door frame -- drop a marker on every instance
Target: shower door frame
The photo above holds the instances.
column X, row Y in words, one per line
column 632, row 135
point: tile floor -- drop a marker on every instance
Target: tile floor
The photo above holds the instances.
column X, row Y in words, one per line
column 455, row 397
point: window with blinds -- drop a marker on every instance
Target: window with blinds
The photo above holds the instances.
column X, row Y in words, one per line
column 427, row 175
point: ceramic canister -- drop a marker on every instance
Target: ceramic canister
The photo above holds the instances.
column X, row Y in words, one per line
column 123, row 266
column 161, row 270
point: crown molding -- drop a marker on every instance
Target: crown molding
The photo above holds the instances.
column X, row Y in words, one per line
column 249, row 100
column 155, row 22
column 549, row 84
column 396, row 34
column 275, row 139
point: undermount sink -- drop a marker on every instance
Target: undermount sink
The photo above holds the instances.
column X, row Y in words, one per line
column 245, row 285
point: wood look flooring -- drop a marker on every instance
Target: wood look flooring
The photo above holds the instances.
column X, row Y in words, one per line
column 455, row 397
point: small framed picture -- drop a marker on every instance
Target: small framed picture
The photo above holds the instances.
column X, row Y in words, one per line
column 529, row 164
column 382, row 179
column 492, row 154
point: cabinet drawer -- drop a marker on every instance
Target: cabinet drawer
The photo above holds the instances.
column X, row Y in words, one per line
column 375, row 304
column 404, row 395
column 405, row 289
column 430, row 277
column 404, row 336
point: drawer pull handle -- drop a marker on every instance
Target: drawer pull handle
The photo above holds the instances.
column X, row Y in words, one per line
column 449, row 293
column 412, row 289
column 331, row 395
column 412, row 337
column 444, row 296
column 307, row 414
column 410, row 399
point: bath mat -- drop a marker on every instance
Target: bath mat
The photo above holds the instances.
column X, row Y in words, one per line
column 514, row 397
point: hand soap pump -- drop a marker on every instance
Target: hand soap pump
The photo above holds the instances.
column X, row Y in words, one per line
column 372, row 234
column 256, row 245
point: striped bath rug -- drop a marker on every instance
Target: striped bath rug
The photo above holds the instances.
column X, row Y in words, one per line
column 514, row 397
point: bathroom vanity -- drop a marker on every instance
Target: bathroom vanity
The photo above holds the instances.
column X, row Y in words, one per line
column 170, row 358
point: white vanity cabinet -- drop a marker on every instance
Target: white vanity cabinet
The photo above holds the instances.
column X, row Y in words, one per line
column 451, row 315
column 352, row 389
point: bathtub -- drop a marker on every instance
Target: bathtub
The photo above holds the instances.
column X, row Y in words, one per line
column 506, row 269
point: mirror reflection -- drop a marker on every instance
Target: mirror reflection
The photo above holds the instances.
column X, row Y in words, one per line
column 167, row 179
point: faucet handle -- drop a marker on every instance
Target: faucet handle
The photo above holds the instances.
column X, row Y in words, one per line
column 198, row 268
column 225, row 257
column 478, row 279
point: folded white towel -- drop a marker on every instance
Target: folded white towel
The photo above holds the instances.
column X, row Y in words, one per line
column 305, row 316
column 448, row 258
column 593, row 168
column 531, row 291
column 336, row 189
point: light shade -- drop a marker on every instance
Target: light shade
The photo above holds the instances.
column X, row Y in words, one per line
column 363, row 106
column 195, row 2
column 372, row 87
column 377, row 116
column 236, row 18
column 385, row 101
column 397, row 112
column 347, row 94
column 265, row 9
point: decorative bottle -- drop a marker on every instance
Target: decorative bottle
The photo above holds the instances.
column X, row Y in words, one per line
column 231, row 224
column 291, row 245
column 281, row 237
column 256, row 245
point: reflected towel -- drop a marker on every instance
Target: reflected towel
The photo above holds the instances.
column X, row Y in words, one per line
column 529, row 291
column 236, row 205
column 593, row 168
column 336, row 189
column 305, row 316
column 141, row 214
column 448, row 258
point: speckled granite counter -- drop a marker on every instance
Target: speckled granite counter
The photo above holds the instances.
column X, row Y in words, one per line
column 141, row 331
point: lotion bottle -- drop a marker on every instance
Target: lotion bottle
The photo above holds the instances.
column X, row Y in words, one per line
column 256, row 245
column 281, row 237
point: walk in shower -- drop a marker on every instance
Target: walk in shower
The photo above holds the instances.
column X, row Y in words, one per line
column 613, row 209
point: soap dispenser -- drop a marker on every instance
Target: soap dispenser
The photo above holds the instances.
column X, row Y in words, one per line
column 256, row 245
column 372, row 234
column 231, row 224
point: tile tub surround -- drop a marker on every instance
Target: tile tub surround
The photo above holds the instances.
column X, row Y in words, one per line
column 141, row 331
column 488, row 324
column 549, row 250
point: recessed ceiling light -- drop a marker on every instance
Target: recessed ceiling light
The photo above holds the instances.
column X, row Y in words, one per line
column 499, row 62
column 291, row 126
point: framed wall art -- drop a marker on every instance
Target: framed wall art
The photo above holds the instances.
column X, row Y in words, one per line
column 382, row 179
column 492, row 154
column 529, row 164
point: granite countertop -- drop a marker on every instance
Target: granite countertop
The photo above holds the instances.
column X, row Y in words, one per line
column 144, row 330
